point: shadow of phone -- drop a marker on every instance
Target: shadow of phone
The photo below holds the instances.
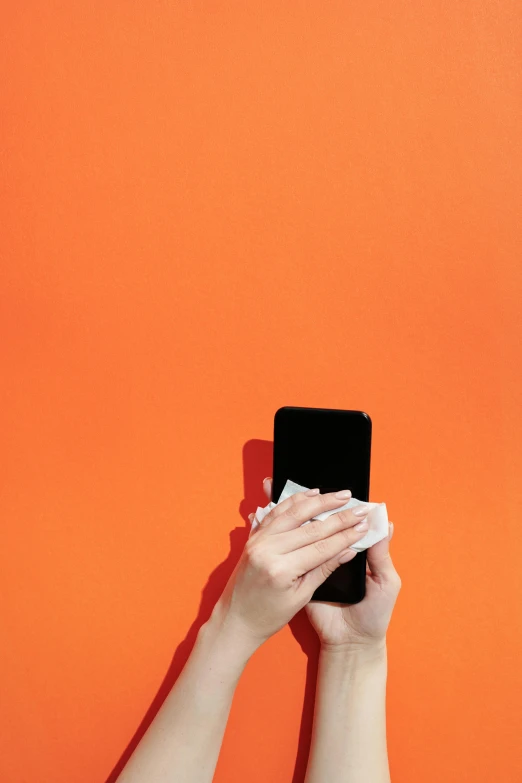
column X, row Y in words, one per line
column 257, row 463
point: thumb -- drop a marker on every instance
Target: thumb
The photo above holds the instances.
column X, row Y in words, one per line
column 379, row 558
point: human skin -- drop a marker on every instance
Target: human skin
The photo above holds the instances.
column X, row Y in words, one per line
column 281, row 566
column 349, row 731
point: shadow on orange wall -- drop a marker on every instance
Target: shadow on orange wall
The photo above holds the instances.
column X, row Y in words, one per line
column 257, row 463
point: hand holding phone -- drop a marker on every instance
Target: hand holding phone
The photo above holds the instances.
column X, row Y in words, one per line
column 283, row 562
column 362, row 625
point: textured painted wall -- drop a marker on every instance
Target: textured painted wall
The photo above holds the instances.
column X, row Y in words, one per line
column 210, row 210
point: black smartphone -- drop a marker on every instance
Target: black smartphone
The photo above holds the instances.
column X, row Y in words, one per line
column 330, row 449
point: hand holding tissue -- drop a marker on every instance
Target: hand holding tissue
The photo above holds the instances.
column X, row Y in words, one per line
column 377, row 515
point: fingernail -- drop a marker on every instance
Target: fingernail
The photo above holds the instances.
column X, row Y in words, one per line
column 362, row 525
column 343, row 494
column 360, row 511
column 266, row 479
column 311, row 492
column 348, row 555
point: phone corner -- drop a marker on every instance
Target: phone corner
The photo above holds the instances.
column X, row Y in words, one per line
column 367, row 417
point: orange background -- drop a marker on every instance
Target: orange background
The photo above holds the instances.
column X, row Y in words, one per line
column 211, row 210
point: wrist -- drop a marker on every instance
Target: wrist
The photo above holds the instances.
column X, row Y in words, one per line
column 214, row 666
column 346, row 665
column 226, row 633
column 365, row 652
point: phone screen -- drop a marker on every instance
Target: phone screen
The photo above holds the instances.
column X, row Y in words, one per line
column 329, row 449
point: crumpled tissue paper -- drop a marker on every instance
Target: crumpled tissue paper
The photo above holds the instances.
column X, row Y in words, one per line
column 377, row 516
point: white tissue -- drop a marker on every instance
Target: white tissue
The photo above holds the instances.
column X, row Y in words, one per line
column 377, row 516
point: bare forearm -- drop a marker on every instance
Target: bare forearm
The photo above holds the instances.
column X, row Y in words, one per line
column 349, row 733
column 182, row 743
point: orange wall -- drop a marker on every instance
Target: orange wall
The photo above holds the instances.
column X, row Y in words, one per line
column 210, row 210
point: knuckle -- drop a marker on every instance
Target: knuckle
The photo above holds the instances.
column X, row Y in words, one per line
column 327, row 569
column 274, row 574
column 311, row 530
column 292, row 511
column 254, row 554
column 344, row 517
column 349, row 535
column 267, row 567
column 321, row 499
column 321, row 546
